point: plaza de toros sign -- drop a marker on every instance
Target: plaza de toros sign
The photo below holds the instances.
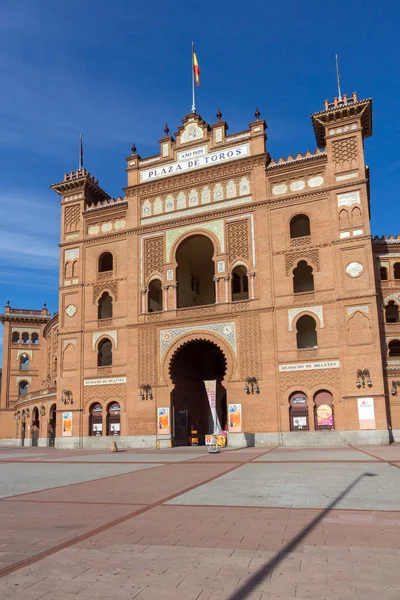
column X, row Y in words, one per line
column 196, row 158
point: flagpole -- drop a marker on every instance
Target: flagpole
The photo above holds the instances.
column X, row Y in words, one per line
column 80, row 152
column 338, row 79
column 193, row 98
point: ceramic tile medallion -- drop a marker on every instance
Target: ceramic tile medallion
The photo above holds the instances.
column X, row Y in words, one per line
column 354, row 269
column 71, row 310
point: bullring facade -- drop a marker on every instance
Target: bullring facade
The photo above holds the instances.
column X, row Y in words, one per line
column 218, row 263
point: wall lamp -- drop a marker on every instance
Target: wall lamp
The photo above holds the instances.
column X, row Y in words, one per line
column 145, row 392
column 361, row 377
column 66, row 397
column 251, row 385
column 394, row 387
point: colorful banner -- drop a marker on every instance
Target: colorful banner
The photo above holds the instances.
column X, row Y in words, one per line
column 366, row 413
column 324, row 415
column 163, row 425
column 211, row 389
column 220, row 439
column 67, row 424
column 235, row 418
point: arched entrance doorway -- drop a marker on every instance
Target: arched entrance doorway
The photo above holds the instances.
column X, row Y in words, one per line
column 52, row 425
column 35, row 427
column 193, row 363
column 195, row 271
column 96, row 420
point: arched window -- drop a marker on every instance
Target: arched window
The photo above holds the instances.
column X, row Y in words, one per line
column 105, row 262
column 114, row 419
column 24, row 362
column 35, row 338
column 323, row 410
column 104, row 355
column 394, row 348
column 396, row 270
column 75, row 268
column 303, row 278
column 344, row 222
column 195, row 271
column 96, row 420
column 306, row 332
column 15, row 337
column 392, row 312
column 299, row 226
column 356, row 218
column 25, row 337
column 383, row 273
column 23, row 388
column 154, row 296
column 105, row 307
column 68, row 270
column 298, row 412
column 240, row 284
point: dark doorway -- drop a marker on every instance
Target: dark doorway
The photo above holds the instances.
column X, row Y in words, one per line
column 195, row 272
column 52, row 425
column 35, row 427
column 23, row 428
column 192, row 364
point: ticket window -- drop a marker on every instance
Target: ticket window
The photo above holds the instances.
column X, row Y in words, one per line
column 323, row 411
column 298, row 412
column 96, row 421
column 114, row 419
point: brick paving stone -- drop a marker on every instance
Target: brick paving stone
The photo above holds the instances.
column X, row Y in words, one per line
column 204, row 552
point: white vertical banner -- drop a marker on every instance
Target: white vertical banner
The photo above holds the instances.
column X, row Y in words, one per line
column 366, row 413
column 211, row 389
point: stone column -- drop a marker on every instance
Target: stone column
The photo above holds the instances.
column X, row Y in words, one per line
column 216, row 281
column 144, row 293
column 227, row 295
column 175, row 290
column 252, row 275
column 165, row 299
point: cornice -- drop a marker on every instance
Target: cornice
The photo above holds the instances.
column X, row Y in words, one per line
column 323, row 190
column 300, row 248
column 359, row 238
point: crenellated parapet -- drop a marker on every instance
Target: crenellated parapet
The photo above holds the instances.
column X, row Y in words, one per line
column 307, row 156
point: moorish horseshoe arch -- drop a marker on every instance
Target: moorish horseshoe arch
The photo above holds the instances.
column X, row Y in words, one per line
column 199, row 336
column 214, row 239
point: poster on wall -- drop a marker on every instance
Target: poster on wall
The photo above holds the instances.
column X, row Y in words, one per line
column 324, row 415
column 299, row 422
column 67, row 424
column 97, row 429
column 163, row 420
column 235, row 418
column 366, row 413
column 115, row 429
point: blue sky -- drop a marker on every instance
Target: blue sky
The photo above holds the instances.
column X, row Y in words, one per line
column 118, row 71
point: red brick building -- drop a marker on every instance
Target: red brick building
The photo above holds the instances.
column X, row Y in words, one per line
column 218, row 263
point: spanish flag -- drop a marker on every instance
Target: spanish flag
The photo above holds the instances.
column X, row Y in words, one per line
column 196, row 68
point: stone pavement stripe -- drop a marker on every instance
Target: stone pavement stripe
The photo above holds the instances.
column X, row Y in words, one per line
column 40, row 555
column 142, row 466
column 388, row 462
column 15, row 499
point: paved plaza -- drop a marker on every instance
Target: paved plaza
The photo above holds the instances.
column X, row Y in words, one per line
column 182, row 524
